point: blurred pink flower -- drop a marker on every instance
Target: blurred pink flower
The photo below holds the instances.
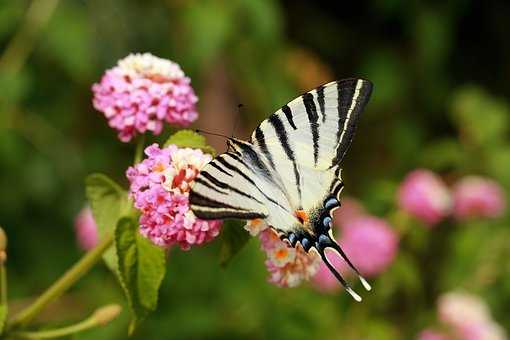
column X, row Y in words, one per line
column 287, row 266
column 469, row 317
column 424, row 195
column 478, row 197
column 160, row 187
column 86, row 229
column 371, row 245
column 141, row 93
column 458, row 308
column 488, row 330
column 430, row 334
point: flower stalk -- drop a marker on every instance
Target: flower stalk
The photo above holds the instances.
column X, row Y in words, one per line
column 139, row 149
column 100, row 317
column 58, row 288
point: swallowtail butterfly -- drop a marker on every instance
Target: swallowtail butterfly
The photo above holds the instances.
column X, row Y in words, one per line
column 288, row 173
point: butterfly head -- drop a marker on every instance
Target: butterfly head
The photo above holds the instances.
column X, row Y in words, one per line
column 315, row 234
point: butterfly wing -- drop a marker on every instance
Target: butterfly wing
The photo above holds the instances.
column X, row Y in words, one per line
column 317, row 128
column 308, row 138
column 291, row 162
column 234, row 186
column 289, row 169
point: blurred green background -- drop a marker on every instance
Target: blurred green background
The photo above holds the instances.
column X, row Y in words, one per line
column 440, row 101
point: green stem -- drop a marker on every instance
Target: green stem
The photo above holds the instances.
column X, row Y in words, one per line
column 100, row 317
column 20, row 46
column 3, row 284
column 139, row 149
column 58, row 332
column 58, row 288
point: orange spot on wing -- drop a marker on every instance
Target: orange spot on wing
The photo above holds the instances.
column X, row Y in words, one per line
column 302, row 216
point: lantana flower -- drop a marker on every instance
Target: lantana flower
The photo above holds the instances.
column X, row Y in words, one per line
column 476, row 196
column 159, row 186
column 287, row 266
column 86, row 229
column 143, row 92
column 424, row 195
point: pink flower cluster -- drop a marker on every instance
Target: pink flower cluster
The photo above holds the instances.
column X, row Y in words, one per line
column 159, row 186
column 287, row 266
column 424, row 195
column 141, row 93
column 370, row 243
column 86, row 229
column 464, row 316
column 431, row 334
column 478, row 197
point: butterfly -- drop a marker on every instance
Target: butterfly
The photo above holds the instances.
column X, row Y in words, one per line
column 288, row 173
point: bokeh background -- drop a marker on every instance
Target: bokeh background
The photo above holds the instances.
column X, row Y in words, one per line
column 440, row 102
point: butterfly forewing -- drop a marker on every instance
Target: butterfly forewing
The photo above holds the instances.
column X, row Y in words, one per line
column 316, row 128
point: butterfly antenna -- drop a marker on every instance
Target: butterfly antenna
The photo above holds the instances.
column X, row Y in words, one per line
column 211, row 133
column 236, row 119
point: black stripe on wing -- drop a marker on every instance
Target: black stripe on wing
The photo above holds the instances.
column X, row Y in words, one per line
column 199, row 200
column 220, row 169
column 288, row 114
column 226, row 186
column 353, row 95
column 259, row 136
column 279, row 128
column 313, row 117
column 235, row 169
column 221, row 214
column 246, row 150
column 210, row 186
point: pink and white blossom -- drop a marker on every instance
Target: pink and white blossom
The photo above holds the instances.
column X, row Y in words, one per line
column 143, row 92
column 159, row 186
column 287, row 266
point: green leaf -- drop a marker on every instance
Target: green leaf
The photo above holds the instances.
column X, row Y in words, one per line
column 3, row 317
column 444, row 154
column 233, row 239
column 142, row 268
column 109, row 202
column 190, row 139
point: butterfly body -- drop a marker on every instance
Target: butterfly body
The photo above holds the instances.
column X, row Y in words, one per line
column 288, row 173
